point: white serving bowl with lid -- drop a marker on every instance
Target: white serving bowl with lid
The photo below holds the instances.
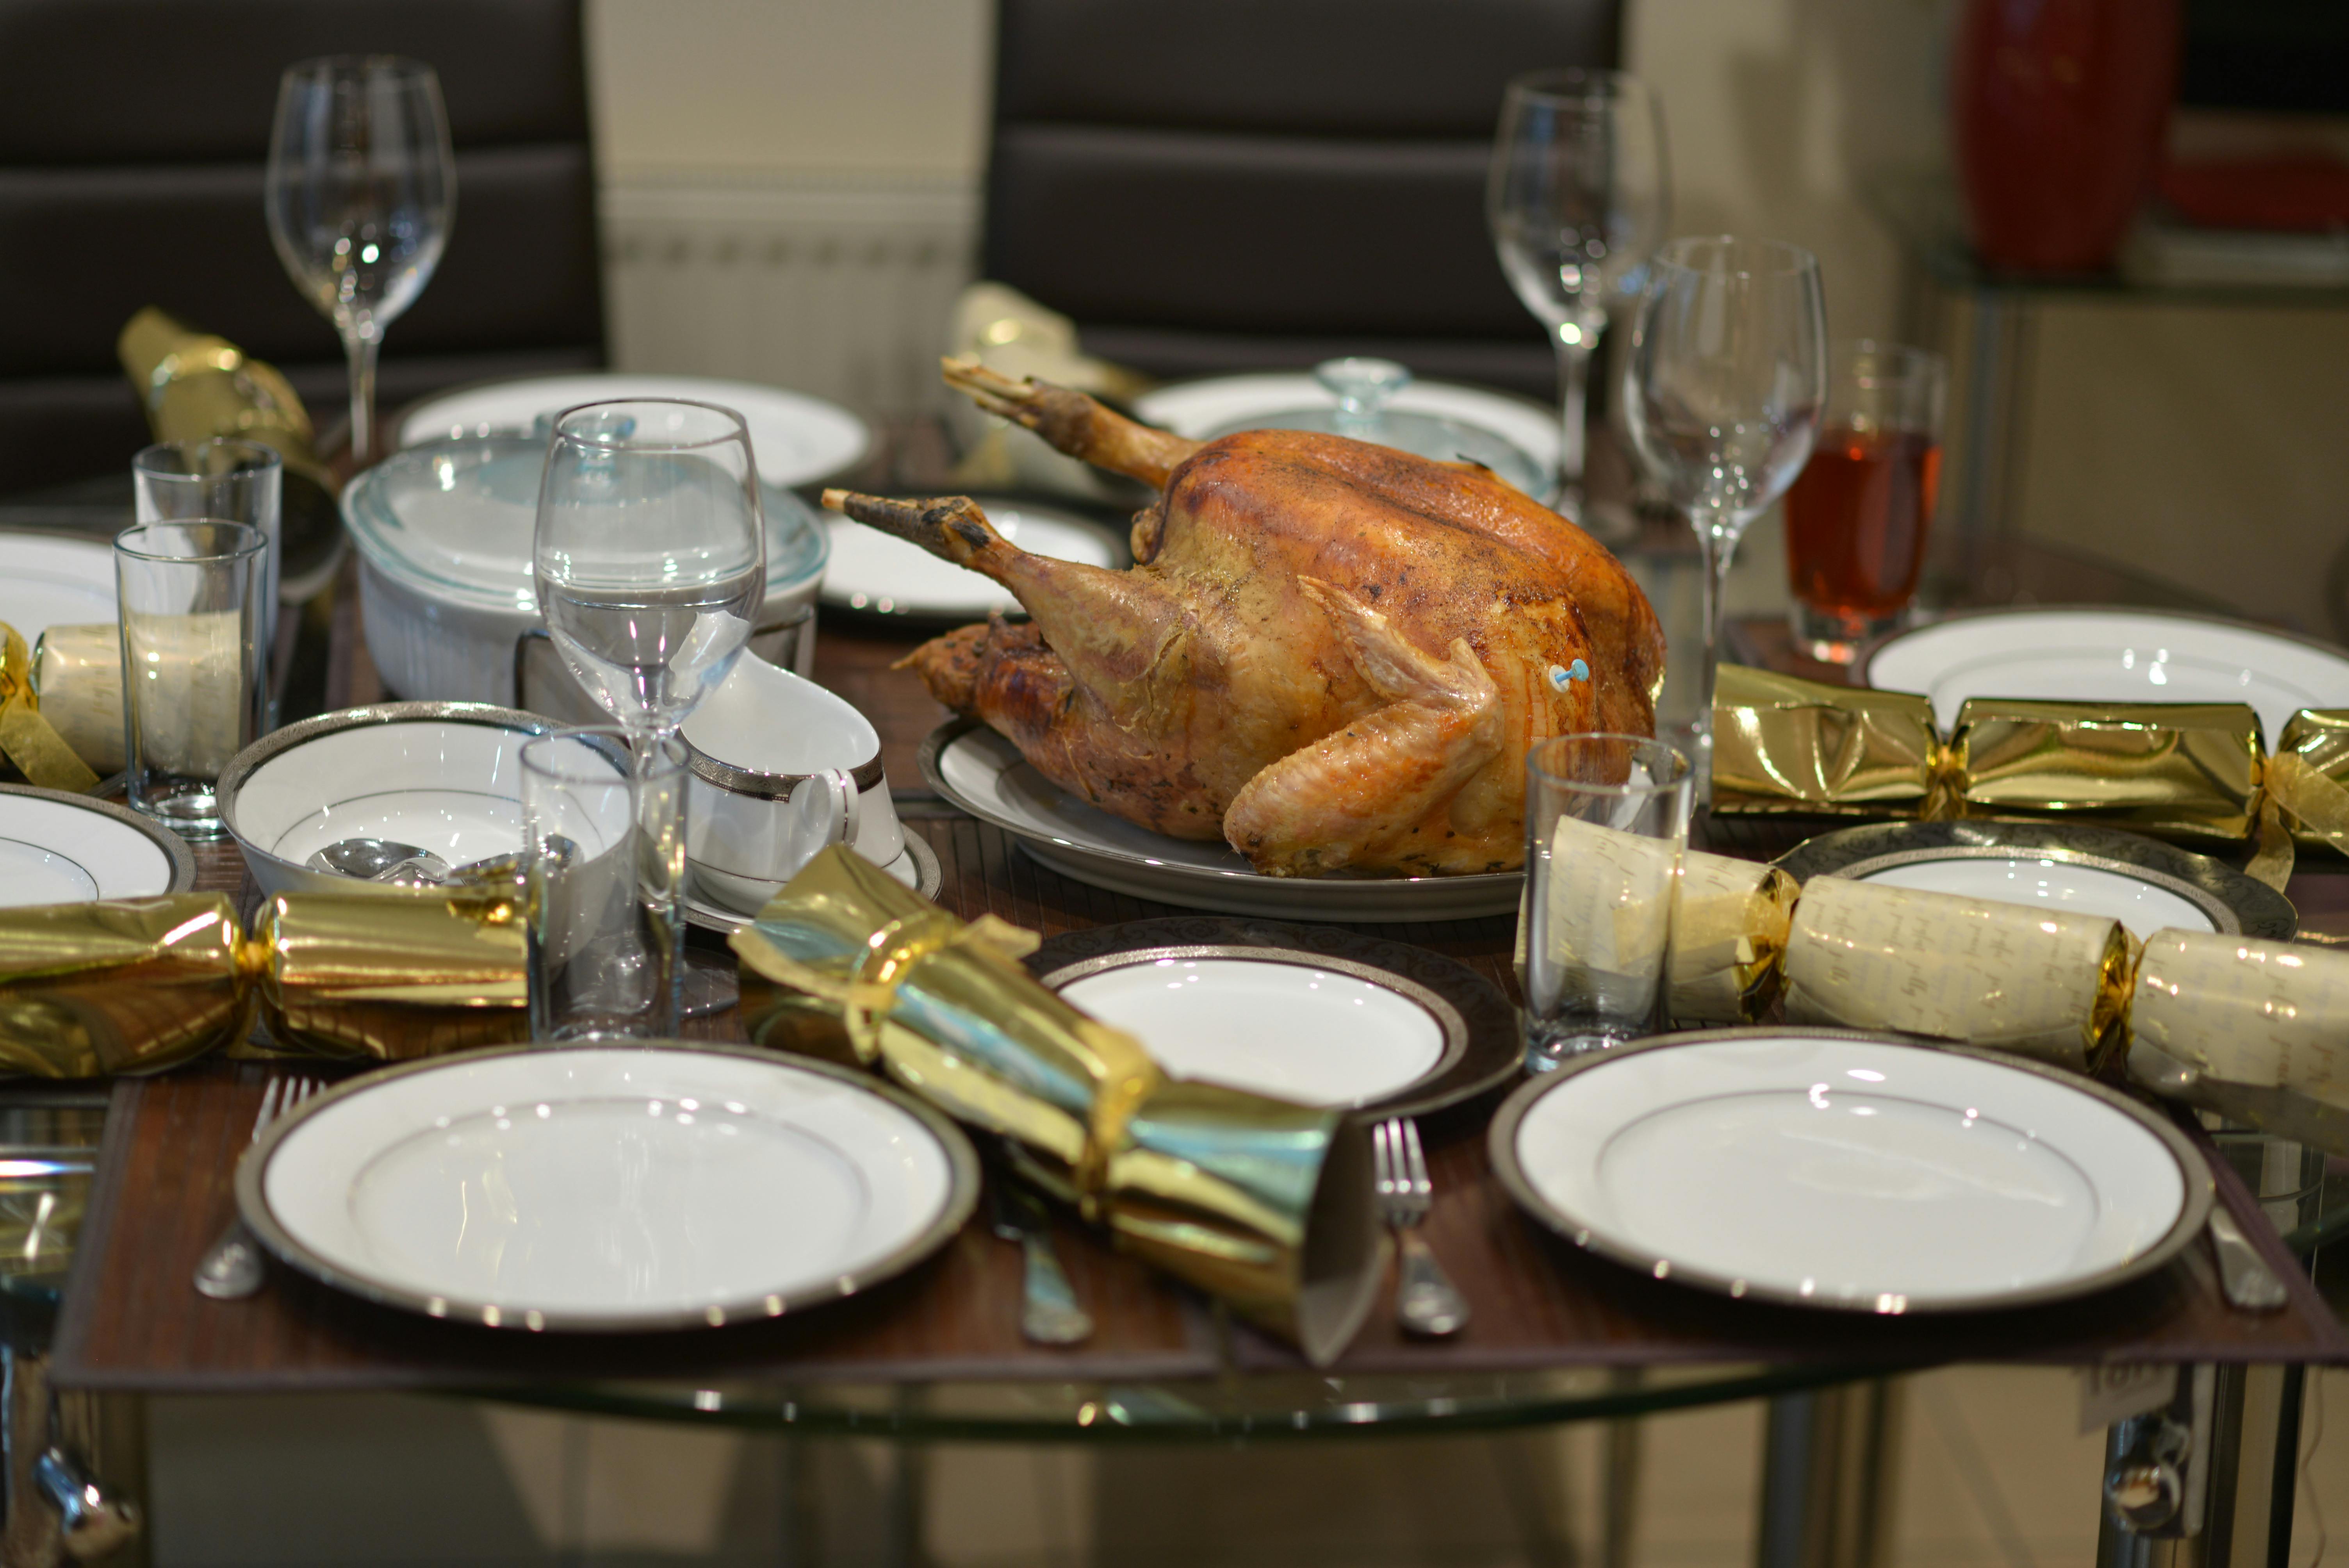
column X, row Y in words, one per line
column 443, row 531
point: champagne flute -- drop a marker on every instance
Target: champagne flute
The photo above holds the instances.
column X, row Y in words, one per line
column 651, row 567
column 1723, row 387
column 360, row 194
column 1578, row 196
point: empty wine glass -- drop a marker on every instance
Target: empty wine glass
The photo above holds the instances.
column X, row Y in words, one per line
column 361, row 193
column 1578, row 196
column 650, row 553
column 651, row 567
column 1722, row 390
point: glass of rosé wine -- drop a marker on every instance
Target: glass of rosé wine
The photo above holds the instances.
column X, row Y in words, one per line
column 1859, row 514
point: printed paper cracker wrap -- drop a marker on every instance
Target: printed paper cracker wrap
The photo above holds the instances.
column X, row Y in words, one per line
column 1263, row 1205
column 135, row 986
column 2042, row 982
column 2196, row 771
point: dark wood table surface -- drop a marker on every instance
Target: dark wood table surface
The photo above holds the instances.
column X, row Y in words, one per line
column 131, row 1321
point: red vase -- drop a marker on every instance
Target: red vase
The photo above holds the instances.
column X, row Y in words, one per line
column 2060, row 106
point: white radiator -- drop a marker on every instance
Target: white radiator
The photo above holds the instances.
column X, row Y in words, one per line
column 835, row 289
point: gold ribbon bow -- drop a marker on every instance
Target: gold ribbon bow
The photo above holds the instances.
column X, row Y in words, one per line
column 27, row 740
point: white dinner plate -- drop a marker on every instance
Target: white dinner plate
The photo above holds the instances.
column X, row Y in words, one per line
column 2101, row 872
column 983, row 773
column 1312, row 1015
column 54, row 580
column 59, row 848
column 1296, row 1026
column 882, row 573
column 2089, row 654
column 663, row 1185
column 1194, row 409
column 796, row 439
column 1829, row 1168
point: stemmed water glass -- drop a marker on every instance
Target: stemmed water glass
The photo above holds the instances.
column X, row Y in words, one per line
column 1578, row 196
column 651, row 567
column 1723, row 387
column 360, row 194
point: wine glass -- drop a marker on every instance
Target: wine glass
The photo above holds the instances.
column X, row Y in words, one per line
column 1578, row 196
column 650, row 553
column 651, row 563
column 1722, row 390
column 361, row 192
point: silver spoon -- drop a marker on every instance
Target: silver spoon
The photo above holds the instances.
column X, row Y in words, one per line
column 378, row 860
column 389, row 860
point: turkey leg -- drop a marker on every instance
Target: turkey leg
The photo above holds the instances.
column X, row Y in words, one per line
column 1381, row 776
column 1073, row 422
column 1113, row 630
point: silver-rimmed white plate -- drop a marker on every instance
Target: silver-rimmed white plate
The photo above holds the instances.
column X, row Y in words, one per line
column 54, row 580
column 2093, row 654
column 656, row 1185
column 1836, row 1168
column 62, row 848
column 881, row 575
column 983, row 773
column 1196, row 408
column 2143, row 885
column 1304, row 1013
column 795, row 439
column 918, row 868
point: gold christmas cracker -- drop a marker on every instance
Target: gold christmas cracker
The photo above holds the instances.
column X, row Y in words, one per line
column 135, row 986
column 28, row 740
column 2042, row 983
column 2195, row 770
column 1263, row 1205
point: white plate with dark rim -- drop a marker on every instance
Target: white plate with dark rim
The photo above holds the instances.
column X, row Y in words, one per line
column 1861, row 1173
column 2143, row 885
column 61, row 848
column 918, row 868
column 983, row 773
column 795, row 439
column 2091, row 654
column 1194, row 409
column 54, row 580
column 1305, row 1014
column 655, row 1185
column 884, row 575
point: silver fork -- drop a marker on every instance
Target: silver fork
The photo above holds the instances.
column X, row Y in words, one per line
column 231, row 1269
column 1425, row 1301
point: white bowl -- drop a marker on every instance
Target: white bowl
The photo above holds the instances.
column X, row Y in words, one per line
column 747, row 746
column 446, row 777
column 444, row 530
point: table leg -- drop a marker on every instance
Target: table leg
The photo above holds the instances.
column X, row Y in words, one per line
column 1827, row 1460
column 1619, row 1478
column 2238, row 1512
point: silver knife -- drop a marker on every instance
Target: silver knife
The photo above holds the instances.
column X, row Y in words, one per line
column 1049, row 1312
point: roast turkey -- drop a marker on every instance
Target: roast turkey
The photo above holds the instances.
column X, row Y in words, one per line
column 1330, row 653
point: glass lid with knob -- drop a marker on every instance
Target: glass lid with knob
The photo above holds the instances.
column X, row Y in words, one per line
column 1362, row 388
column 454, row 520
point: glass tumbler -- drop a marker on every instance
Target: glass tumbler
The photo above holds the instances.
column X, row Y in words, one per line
column 193, row 688
column 603, row 860
column 1606, row 820
column 1858, row 513
column 232, row 480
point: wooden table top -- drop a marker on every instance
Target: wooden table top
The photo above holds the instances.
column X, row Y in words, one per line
column 131, row 1321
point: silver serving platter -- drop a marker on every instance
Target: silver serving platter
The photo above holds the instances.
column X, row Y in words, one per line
column 983, row 773
column 2236, row 904
column 1483, row 1048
